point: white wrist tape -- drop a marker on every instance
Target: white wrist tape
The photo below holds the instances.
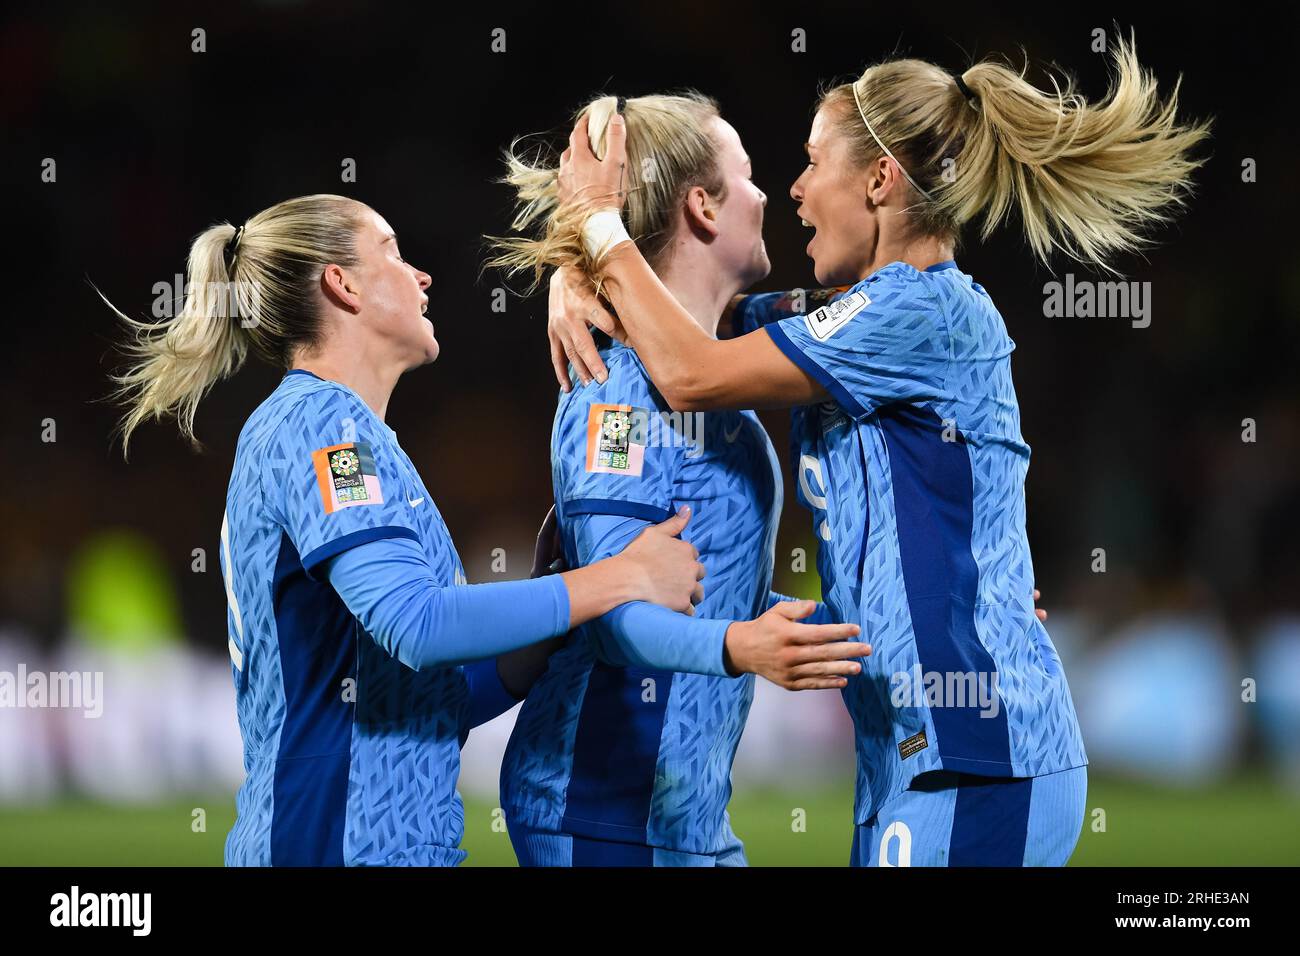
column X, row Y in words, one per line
column 602, row 231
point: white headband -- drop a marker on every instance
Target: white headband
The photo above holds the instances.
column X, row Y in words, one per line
column 884, row 148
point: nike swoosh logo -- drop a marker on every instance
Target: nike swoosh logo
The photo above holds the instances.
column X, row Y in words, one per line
column 730, row 436
column 415, row 502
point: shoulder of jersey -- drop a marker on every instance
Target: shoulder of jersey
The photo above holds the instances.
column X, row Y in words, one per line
column 628, row 382
column 942, row 288
column 825, row 320
column 898, row 281
column 626, row 360
column 883, row 287
column 290, row 394
column 898, row 275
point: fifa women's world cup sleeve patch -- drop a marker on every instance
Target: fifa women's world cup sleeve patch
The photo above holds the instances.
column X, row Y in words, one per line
column 826, row 321
column 616, row 439
column 347, row 476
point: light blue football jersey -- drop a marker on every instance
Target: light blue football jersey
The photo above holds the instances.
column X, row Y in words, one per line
column 351, row 757
column 914, row 472
column 630, row 754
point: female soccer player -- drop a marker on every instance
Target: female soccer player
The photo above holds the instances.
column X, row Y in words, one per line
column 631, row 765
column 349, row 614
column 910, row 454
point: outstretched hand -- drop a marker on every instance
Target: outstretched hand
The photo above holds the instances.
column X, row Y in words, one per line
column 793, row 655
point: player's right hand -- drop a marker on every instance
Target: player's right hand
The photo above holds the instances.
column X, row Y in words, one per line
column 793, row 655
column 663, row 568
column 598, row 182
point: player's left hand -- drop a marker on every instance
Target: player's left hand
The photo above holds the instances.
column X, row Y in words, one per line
column 572, row 308
column 1038, row 611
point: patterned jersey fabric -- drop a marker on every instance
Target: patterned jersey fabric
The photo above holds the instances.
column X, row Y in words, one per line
column 914, row 472
column 351, row 757
column 635, row 755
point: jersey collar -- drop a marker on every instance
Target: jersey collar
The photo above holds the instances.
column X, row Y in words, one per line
column 362, row 401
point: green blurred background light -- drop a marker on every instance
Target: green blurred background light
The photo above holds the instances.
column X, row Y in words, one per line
column 1248, row 821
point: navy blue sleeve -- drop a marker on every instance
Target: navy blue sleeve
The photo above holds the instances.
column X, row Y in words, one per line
column 488, row 697
column 390, row 587
column 753, row 312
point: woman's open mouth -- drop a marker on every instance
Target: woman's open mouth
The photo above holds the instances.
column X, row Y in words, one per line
column 808, row 225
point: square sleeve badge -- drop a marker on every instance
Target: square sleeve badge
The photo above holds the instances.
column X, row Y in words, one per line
column 612, row 445
column 829, row 319
column 347, row 476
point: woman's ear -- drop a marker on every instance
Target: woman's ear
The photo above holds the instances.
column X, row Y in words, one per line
column 340, row 288
column 881, row 177
column 701, row 211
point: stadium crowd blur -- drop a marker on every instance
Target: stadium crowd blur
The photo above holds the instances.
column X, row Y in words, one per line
column 1141, row 444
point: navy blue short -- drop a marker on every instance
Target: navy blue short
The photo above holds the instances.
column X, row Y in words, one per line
column 959, row 819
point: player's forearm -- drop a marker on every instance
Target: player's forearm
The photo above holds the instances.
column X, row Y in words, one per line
column 453, row 625
column 692, row 370
column 598, row 588
column 640, row 634
column 389, row 587
column 646, row 635
column 683, row 360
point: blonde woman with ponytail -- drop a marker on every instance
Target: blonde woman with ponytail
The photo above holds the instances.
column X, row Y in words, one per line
column 349, row 615
column 597, row 771
column 909, row 448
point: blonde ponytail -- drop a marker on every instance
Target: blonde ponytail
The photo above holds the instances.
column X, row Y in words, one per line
column 669, row 149
column 264, row 300
column 1086, row 179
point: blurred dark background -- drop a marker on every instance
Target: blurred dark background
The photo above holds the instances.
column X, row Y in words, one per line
column 1137, row 433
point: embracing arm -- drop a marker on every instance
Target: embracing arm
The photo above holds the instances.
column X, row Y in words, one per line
column 693, row 370
column 640, row 634
column 784, row 645
column 390, row 587
column 647, row 635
